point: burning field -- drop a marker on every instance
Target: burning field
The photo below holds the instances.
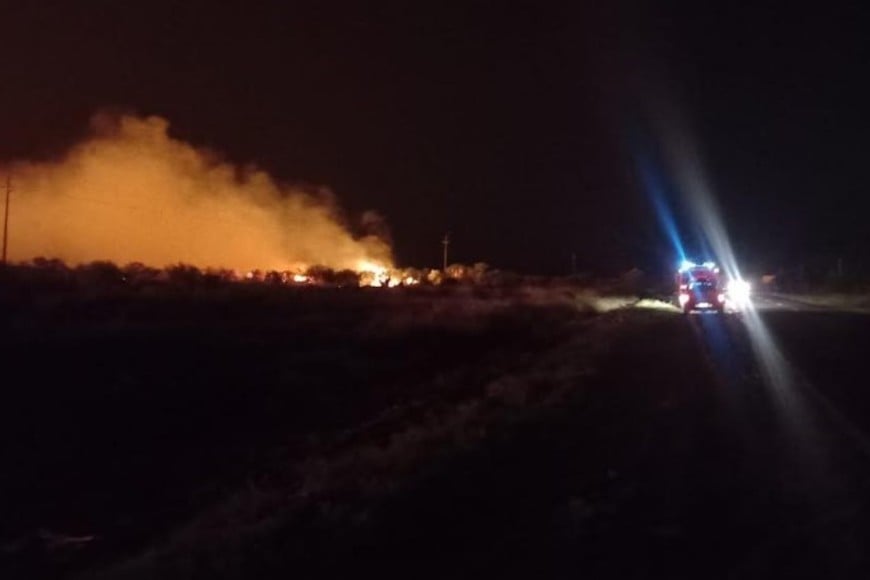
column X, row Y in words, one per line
column 132, row 193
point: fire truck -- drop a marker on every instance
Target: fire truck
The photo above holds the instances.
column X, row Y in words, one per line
column 700, row 287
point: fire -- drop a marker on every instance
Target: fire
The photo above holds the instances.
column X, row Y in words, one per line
column 133, row 193
column 372, row 267
column 372, row 274
column 381, row 275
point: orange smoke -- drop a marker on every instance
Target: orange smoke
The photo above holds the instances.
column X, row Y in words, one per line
column 131, row 193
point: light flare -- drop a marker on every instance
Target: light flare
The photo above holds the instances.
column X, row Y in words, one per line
column 738, row 293
column 779, row 377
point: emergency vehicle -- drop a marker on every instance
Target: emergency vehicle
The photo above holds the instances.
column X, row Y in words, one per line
column 700, row 287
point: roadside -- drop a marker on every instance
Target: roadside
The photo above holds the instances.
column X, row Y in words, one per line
column 841, row 302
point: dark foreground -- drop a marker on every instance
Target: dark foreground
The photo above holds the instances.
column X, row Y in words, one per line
column 429, row 435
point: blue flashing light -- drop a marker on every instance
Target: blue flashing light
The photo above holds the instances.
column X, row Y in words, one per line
column 687, row 265
column 655, row 187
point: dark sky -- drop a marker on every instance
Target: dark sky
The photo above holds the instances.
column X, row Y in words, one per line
column 507, row 126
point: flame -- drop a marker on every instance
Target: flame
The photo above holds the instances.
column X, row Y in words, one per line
column 373, row 273
column 372, row 267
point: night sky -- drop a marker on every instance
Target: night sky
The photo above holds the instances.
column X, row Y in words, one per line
column 514, row 128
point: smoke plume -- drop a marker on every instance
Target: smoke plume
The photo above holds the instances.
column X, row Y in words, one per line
column 131, row 193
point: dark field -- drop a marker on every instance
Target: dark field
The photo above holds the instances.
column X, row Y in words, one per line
column 129, row 410
column 252, row 431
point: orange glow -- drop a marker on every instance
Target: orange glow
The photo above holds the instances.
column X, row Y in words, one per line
column 372, row 273
column 132, row 193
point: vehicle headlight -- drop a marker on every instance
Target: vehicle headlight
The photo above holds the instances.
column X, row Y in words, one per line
column 739, row 291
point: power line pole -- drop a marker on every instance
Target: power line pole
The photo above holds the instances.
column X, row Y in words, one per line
column 6, row 219
column 446, row 242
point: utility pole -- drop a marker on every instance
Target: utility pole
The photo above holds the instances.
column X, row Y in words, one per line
column 446, row 242
column 6, row 219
